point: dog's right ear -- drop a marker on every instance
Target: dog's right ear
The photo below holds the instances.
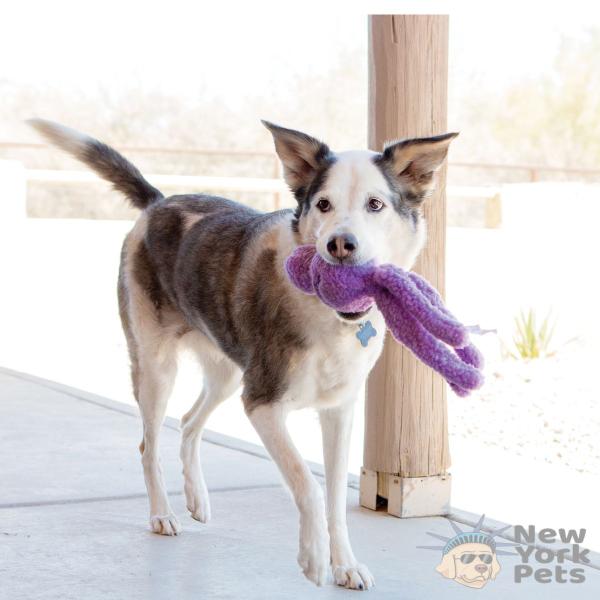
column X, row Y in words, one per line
column 302, row 156
column 447, row 568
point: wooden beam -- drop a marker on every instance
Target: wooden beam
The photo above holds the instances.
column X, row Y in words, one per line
column 406, row 431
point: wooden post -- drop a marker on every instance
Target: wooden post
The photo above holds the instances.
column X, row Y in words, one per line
column 406, row 453
column 493, row 211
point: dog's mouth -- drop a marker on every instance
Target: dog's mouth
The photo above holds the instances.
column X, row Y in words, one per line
column 353, row 316
column 476, row 578
column 350, row 261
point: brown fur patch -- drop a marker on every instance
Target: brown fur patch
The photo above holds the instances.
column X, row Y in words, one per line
column 271, row 333
column 219, row 275
column 146, row 276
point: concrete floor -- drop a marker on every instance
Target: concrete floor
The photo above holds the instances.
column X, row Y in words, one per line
column 73, row 515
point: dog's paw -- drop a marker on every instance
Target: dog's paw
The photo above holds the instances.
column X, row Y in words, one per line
column 197, row 501
column 165, row 524
column 313, row 557
column 355, row 577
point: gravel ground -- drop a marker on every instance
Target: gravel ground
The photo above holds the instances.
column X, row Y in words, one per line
column 545, row 408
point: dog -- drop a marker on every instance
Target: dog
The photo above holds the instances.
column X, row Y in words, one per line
column 471, row 564
column 207, row 273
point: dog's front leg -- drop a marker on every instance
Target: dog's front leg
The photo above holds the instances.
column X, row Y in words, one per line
column 313, row 556
column 336, row 425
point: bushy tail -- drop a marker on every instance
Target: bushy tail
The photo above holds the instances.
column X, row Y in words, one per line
column 105, row 161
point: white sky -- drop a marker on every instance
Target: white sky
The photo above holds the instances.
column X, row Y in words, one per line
column 233, row 49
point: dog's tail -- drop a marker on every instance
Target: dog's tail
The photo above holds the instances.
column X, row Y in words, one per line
column 103, row 159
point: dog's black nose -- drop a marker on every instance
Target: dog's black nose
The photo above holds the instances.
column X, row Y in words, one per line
column 342, row 246
column 481, row 568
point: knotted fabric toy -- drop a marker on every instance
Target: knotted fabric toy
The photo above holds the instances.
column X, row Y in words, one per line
column 413, row 311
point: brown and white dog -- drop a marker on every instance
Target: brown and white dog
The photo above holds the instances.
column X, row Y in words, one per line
column 207, row 273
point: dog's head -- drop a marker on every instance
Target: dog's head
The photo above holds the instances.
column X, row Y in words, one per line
column 361, row 206
column 470, row 564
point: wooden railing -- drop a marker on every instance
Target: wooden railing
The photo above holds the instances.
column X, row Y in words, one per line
column 244, row 184
column 531, row 173
column 490, row 195
column 276, row 187
column 14, row 180
column 487, row 196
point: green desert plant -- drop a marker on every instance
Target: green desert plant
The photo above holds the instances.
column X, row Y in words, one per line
column 529, row 341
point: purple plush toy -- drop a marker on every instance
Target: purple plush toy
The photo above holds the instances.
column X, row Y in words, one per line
column 412, row 309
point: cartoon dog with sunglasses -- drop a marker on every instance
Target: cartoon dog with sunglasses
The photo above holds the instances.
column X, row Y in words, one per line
column 470, row 559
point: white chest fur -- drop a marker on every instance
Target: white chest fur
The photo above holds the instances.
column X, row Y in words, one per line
column 335, row 364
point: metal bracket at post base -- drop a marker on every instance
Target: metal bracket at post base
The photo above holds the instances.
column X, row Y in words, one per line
column 406, row 496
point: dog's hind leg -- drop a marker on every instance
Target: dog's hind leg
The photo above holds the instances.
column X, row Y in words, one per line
column 156, row 374
column 153, row 370
column 151, row 332
column 221, row 379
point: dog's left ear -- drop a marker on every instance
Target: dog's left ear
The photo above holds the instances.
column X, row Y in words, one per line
column 414, row 163
column 302, row 156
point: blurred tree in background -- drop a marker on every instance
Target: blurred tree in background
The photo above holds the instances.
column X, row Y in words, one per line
column 143, row 113
column 331, row 105
column 553, row 119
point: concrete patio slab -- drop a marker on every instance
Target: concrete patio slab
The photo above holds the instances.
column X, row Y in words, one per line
column 75, row 449
column 73, row 517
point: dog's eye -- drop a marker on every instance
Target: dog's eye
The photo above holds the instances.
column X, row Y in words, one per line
column 324, row 205
column 467, row 558
column 375, row 204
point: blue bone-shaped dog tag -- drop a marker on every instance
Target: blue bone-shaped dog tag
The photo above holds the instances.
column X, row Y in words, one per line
column 365, row 332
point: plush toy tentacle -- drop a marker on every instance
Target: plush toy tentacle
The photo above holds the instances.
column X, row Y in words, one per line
column 411, row 332
column 459, row 391
column 429, row 291
column 469, row 353
column 408, row 294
